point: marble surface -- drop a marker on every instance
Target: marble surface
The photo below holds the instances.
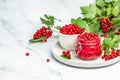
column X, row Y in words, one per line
column 18, row 21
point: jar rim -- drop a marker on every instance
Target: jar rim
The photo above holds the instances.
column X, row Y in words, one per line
column 90, row 42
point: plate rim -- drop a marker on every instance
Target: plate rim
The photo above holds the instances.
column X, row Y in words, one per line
column 82, row 65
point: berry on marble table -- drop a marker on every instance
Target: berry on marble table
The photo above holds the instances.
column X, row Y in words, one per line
column 47, row 60
column 27, row 53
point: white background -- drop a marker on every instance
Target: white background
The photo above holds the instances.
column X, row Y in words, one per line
column 19, row 19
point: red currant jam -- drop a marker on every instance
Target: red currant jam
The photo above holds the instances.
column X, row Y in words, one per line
column 88, row 46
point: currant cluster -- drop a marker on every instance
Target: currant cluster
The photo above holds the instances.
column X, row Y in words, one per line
column 42, row 32
column 71, row 29
column 106, row 25
column 114, row 54
column 88, row 37
column 66, row 54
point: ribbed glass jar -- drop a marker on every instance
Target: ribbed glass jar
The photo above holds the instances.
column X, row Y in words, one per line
column 88, row 50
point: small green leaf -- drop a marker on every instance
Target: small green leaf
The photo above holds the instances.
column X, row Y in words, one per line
column 73, row 21
column 58, row 27
column 101, row 32
column 116, row 22
column 41, row 39
column 108, row 1
column 46, row 22
column 79, row 22
column 46, row 16
column 104, row 12
column 118, row 2
column 58, row 20
column 89, row 11
column 98, row 12
column 94, row 27
column 109, row 11
column 115, row 11
column 51, row 20
column 87, row 28
column 115, row 41
column 65, row 57
column 107, row 51
column 107, row 41
column 100, row 3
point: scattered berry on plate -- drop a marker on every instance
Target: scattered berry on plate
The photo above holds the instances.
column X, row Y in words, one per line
column 66, row 54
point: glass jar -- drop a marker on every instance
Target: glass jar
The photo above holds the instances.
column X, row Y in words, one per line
column 88, row 50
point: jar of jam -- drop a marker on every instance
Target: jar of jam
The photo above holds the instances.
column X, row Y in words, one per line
column 88, row 46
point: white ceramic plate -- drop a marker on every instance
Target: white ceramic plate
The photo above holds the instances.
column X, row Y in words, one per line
column 57, row 51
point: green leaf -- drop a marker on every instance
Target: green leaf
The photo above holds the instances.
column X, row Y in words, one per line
column 86, row 19
column 65, row 57
column 79, row 22
column 51, row 20
column 104, row 12
column 98, row 12
column 111, row 35
column 94, row 27
column 116, row 40
column 111, row 42
column 115, row 10
column 87, row 28
column 116, row 22
column 107, row 51
column 57, row 19
column 101, row 32
column 100, row 3
column 116, row 29
column 109, row 11
column 46, row 16
column 45, row 22
column 118, row 3
column 107, row 41
column 41, row 39
column 89, row 11
column 58, row 27
column 104, row 46
column 108, row 1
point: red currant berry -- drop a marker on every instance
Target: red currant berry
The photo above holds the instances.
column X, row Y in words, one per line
column 48, row 60
column 27, row 53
